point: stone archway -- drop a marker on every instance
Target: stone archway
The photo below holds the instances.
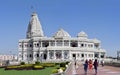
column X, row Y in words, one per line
column 74, row 56
column 45, row 56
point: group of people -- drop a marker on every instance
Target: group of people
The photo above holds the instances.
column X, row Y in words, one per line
column 89, row 65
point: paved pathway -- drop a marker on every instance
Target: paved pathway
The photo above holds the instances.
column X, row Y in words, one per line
column 106, row 70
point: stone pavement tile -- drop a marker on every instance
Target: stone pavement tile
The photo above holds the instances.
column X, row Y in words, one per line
column 101, row 70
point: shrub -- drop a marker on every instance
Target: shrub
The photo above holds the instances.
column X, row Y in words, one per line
column 22, row 63
column 54, row 71
column 20, row 67
column 10, row 67
column 62, row 64
column 67, row 62
column 48, row 64
column 57, row 63
column 57, row 67
column 37, row 63
column 38, row 67
column 63, row 68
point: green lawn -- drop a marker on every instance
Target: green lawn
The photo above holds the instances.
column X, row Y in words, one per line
column 46, row 71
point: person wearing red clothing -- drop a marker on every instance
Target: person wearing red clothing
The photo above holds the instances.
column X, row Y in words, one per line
column 90, row 65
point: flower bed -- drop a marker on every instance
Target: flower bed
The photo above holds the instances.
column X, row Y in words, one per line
column 38, row 67
column 30, row 66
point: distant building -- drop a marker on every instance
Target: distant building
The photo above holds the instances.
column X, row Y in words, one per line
column 6, row 57
column 60, row 47
column 118, row 55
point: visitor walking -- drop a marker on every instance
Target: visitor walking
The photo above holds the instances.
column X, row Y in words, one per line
column 90, row 65
column 95, row 66
column 76, row 65
column 102, row 63
column 86, row 66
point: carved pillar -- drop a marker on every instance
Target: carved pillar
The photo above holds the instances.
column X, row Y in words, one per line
column 55, row 43
column 54, row 54
column 48, row 54
column 69, row 43
column 62, row 54
column 41, row 43
column 62, row 42
column 49, row 43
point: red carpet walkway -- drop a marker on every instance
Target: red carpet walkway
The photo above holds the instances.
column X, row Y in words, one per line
column 101, row 70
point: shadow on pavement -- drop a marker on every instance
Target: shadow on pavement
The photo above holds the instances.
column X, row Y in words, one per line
column 84, row 74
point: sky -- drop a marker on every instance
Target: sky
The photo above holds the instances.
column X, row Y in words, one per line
column 98, row 18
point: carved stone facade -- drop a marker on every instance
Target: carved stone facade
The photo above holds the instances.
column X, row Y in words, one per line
column 60, row 47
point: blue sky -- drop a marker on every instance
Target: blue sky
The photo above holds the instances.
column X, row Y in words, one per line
column 98, row 18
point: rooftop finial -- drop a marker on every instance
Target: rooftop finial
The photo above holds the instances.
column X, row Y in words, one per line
column 32, row 9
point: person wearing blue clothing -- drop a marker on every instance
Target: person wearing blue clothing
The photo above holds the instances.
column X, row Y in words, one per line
column 86, row 66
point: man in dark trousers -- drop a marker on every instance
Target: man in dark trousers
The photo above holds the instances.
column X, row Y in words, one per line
column 95, row 66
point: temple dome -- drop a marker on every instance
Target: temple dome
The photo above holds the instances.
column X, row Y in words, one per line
column 61, row 34
column 82, row 34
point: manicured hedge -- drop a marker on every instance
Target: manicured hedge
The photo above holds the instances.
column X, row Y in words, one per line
column 38, row 67
column 54, row 71
column 30, row 66
column 20, row 67
column 63, row 68
column 48, row 64
column 62, row 64
column 22, row 63
column 37, row 63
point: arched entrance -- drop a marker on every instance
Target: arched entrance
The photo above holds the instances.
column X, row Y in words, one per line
column 45, row 56
column 74, row 56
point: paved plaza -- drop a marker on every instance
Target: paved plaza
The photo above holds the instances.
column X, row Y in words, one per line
column 106, row 70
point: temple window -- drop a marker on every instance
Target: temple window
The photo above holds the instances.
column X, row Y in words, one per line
column 66, row 43
column 52, row 43
column 96, row 55
column 82, row 55
column 82, row 45
column 102, row 56
column 20, row 45
column 51, row 54
column 85, row 45
column 59, row 43
column 30, row 55
column 91, row 45
column 37, row 44
column 90, row 55
column 96, row 45
column 37, row 55
column 74, row 44
column 30, row 45
column 45, row 44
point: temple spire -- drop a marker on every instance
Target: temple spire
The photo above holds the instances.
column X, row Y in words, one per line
column 34, row 27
